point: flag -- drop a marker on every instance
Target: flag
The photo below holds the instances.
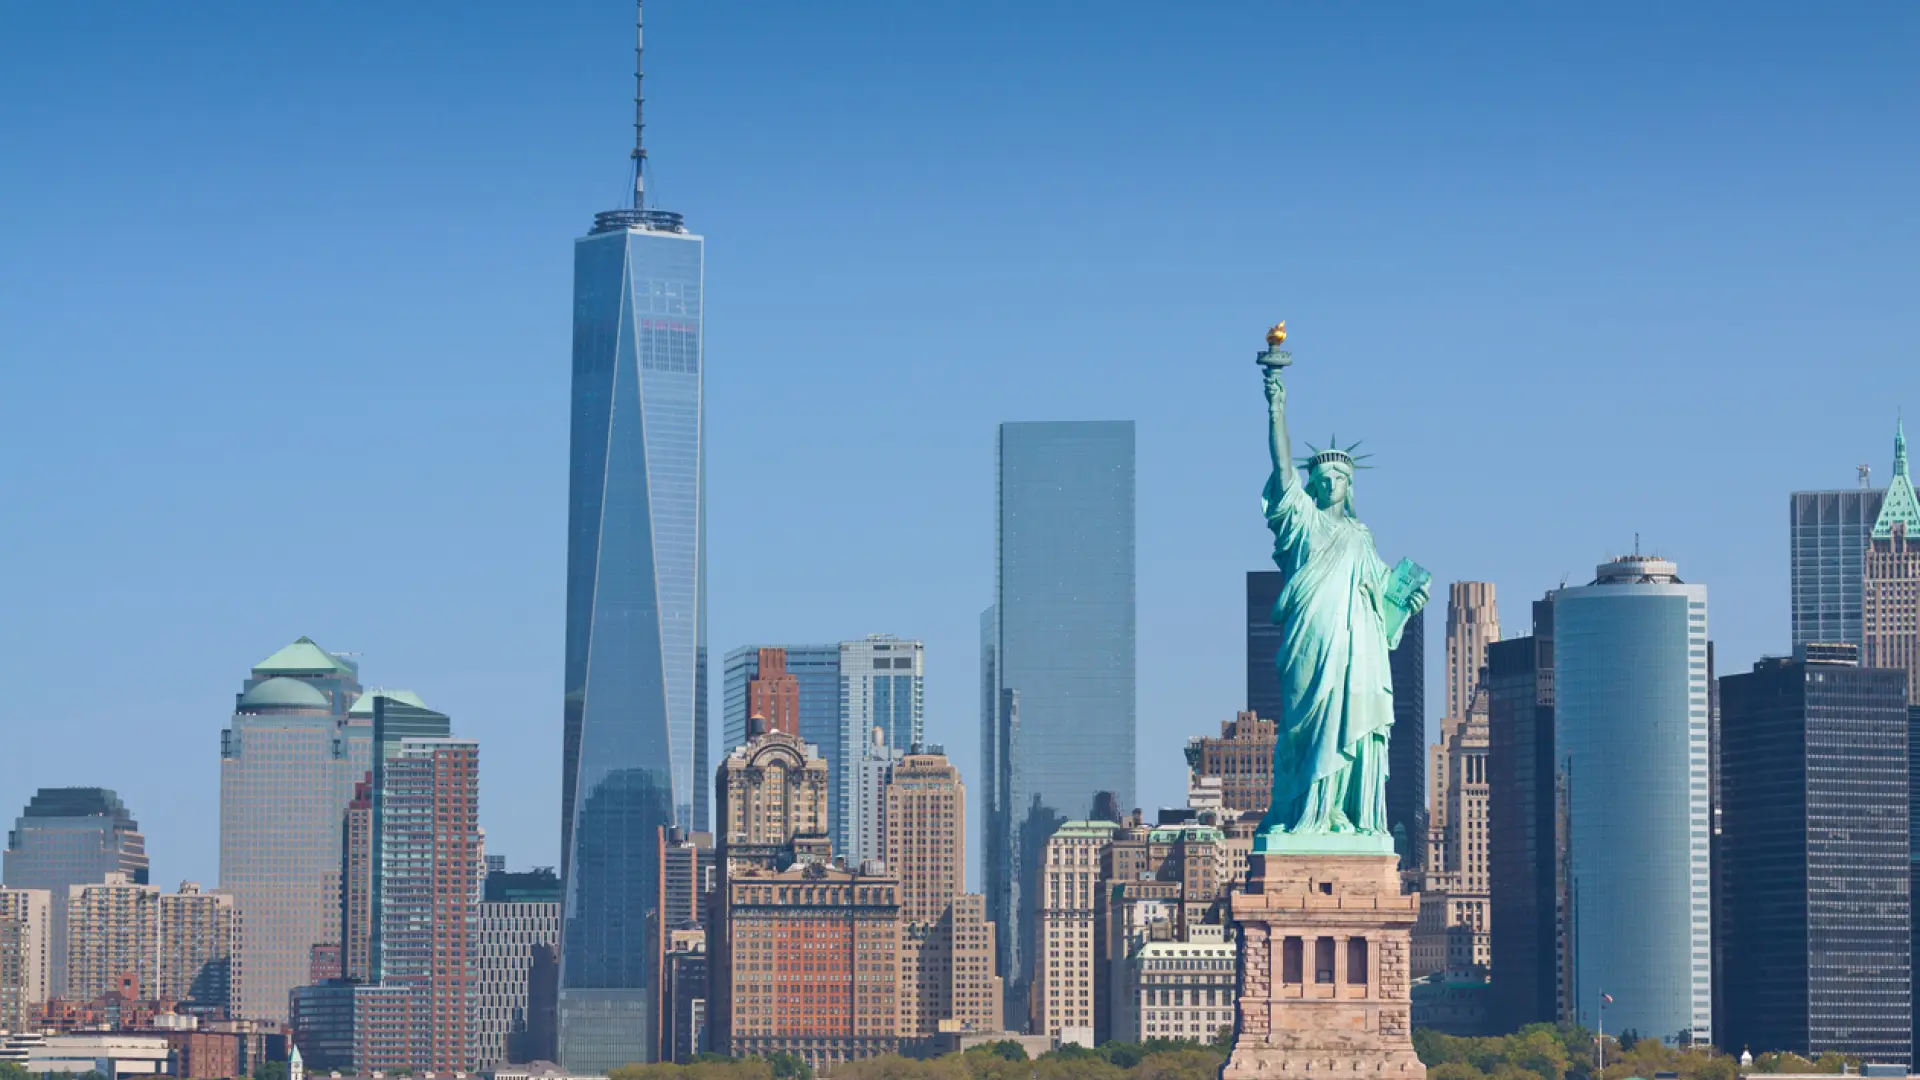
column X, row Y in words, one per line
column 1606, row 999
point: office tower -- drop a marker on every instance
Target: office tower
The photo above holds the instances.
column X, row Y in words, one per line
column 1473, row 622
column 1890, row 622
column 518, row 919
column 427, row 862
column 356, row 884
column 866, row 790
column 947, row 944
column 1406, row 748
column 288, row 762
column 1452, row 931
column 26, row 930
column 814, row 965
column 67, row 837
column 1815, row 848
column 881, row 689
column 772, row 692
column 770, row 802
column 683, row 1023
column 1631, row 726
column 1163, row 884
column 1060, row 709
column 1061, row 1003
column 199, row 938
column 1523, row 828
column 815, row 671
column 634, row 755
column 1241, row 758
column 113, row 933
column 1827, row 535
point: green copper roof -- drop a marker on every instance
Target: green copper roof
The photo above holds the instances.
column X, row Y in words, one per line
column 302, row 657
column 1086, row 828
column 1900, row 506
column 1173, row 834
column 364, row 706
column 283, row 693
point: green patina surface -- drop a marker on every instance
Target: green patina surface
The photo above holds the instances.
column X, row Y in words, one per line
column 1900, row 507
column 302, row 657
column 1341, row 612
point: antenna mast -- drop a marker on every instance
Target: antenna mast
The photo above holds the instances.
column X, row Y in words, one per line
column 639, row 125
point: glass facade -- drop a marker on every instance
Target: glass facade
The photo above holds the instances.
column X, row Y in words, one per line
column 1815, row 847
column 1631, row 714
column 882, row 685
column 635, row 730
column 1523, row 855
column 1827, row 539
column 1061, row 710
column 70, row 836
column 815, row 667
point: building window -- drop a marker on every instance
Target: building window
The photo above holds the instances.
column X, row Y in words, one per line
column 1357, row 961
column 1290, row 961
column 1323, row 959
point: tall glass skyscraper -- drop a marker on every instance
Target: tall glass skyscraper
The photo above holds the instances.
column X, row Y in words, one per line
column 71, row 836
column 815, row 667
column 1058, row 706
column 635, row 739
column 1827, row 544
column 1630, row 675
column 288, row 763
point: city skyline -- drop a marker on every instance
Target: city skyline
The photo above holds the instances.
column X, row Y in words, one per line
column 470, row 603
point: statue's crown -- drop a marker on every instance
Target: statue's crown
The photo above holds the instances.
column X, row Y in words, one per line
column 1334, row 455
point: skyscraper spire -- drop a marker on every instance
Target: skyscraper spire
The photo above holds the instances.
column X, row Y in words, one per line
column 1900, row 446
column 1901, row 506
column 639, row 122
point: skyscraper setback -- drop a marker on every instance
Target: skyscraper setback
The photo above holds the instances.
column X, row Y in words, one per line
column 635, row 723
column 1890, row 619
column 67, row 837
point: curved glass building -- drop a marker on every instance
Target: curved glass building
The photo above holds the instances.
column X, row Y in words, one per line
column 1630, row 677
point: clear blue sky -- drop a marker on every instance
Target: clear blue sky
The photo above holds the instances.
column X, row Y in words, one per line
column 284, row 326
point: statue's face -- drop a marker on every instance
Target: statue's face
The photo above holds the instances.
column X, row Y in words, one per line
column 1329, row 487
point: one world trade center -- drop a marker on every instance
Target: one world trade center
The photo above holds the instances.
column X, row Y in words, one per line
column 635, row 714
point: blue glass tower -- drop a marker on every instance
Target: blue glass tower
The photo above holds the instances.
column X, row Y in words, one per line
column 1057, row 678
column 635, row 709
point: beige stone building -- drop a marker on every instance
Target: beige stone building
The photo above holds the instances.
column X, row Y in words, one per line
column 113, row 931
column 947, row 980
column 1061, row 1003
column 1473, row 622
column 1241, row 759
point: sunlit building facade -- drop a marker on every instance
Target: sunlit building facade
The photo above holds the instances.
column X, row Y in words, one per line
column 67, row 837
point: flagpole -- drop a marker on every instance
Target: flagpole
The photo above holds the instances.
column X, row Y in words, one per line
column 1600, row 1044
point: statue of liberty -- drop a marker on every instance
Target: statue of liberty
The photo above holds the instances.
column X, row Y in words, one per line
column 1341, row 611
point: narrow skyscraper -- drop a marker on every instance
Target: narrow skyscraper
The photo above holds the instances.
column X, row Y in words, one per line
column 1059, row 708
column 1631, row 717
column 1473, row 622
column 635, row 721
column 1523, row 829
column 1827, row 535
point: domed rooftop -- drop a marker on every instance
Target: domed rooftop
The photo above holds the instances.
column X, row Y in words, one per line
column 283, row 693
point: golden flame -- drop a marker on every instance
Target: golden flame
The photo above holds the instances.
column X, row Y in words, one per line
column 1278, row 335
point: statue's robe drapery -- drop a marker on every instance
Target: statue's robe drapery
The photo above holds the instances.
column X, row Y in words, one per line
column 1336, row 688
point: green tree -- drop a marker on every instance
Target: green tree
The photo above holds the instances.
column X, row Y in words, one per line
column 1454, row 1070
column 1005, row 1049
column 1189, row 1063
column 271, row 1070
column 788, row 1066
column 1538, row 1051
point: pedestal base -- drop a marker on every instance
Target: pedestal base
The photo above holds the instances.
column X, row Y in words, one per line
column 1324, row 942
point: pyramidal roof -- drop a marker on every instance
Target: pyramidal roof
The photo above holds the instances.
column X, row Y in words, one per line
column 364, row 706
column 302, row 657
column 1900, row 506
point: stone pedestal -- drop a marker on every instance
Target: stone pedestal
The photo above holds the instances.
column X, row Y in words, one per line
column 1324, row 943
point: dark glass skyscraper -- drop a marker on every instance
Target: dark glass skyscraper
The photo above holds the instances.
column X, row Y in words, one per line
column 1817, row 953
column 1523, row 851
column 1407, row 749
column 1059, row 707
column 635, row 749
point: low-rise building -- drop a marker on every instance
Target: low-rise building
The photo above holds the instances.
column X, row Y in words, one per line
column 1184, row 989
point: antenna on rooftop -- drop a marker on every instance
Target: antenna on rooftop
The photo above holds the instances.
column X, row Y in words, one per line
column 639, row 122
column 1866, row 475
